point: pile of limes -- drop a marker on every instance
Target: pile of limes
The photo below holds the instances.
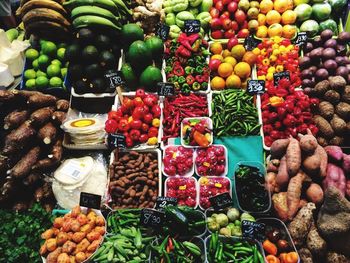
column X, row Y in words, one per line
column 46, row 68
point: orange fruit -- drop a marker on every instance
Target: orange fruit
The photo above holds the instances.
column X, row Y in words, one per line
column 289, row 17
column 249, row 57
column 238, row 52
column 217, row 83
column 242, row 70
column 289, row 31
column 225, row 69
column 273, row 17
column 231, row 60
column 280, row 5
column 217, row 56
column 226, row 53
column 261, row 19
column 216, row 48
column 261, row 32
column 275, row 30
column 266, row 6
column 233, row 82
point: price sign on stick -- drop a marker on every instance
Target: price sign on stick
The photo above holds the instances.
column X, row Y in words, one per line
column 90, row 200
column 192, row 26
column 116, row 141
column 301, row 39
column 221, row 201
column 253, row 230
column 251, row 42
column 166, row 89
column 256, row 87
column 280, row 75
column 163, row 201
column 163, row 31
column 152, row 218
column 114, row 78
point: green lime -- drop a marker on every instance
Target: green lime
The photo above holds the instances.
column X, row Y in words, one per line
column 56, row 62
column 41, row 82
column 29, row 74
column 43, row 61
column 49, row 48
column 60, row 53
column 31, row 54
column 40, row 73
column 56, row 82
column 53, row 71
column 35, row 64
column 30, row 84
column 63, row 72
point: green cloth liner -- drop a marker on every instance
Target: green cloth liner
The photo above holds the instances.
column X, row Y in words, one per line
column 249, row 148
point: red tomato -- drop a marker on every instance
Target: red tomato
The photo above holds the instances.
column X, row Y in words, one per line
column 156, row 111
column 138, row 113
column 123, row 125
column 226, row 2
column 153, row 132
column 128, row 141
column 140, row 93
column 128, row 103
column 214, row 64
column 115, row 115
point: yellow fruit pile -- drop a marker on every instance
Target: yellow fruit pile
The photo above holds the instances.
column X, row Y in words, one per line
column 234, row 68
column 276, row 18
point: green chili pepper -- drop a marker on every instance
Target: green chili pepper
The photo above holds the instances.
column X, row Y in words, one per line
column 199, row 70
column 175, row 78
column 181, row 79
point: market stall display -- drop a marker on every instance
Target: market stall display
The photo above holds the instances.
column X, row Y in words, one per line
column 158, row 156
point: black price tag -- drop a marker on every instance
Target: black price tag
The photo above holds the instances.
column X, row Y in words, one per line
column 256, row 87
column 116, row 141
column 192, row 26
column 280, row 75
column 163, row 201
column 253, row 230
column 301, row 39
column 163, row 31
column 152, row 218
column 221, row 201
column 166, row 89
column 114, row 78
column 90, row 200
column 251, row 42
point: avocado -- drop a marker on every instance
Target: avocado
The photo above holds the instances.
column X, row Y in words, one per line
column 81, row 87
column 85, row 35
column 93, row 71
column 98, row 85
column 75, row 71
column 107, row 60
column 103, row 42
column 72, row 53
column 90, row 53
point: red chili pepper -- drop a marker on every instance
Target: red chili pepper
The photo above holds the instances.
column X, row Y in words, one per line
column 190, row 79
column 182, row 52
column 178, row 70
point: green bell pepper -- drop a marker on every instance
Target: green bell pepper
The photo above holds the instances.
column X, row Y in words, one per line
column 206, row 5
column 205, row 18
column 170, row 19
column 174, row 31
column 171, row 6
column 195, row 3
column 182, row 16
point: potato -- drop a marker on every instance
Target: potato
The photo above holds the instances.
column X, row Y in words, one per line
column 82, row 246
column 82, row 219
column 58, row 222
column 343, row 110
column 100, row 221
column 308, row 143
column 87, row 228
column 51, row 244
column 346, row 94
column 75, row 225
column 43, row 249
column 93, row 235
column 282, row 176
column 293, row 157
column 61, row 238
column 72, row 259
column 312, row 164
column 80, row 257
column 324, row 126
column 66, row 225
column 52, row 257
column 315, row 194
column 270, row 182
column 93, row 246
column 78, row 236
column 100, row 229
column 47, row 234
column 63, row 258
column 326, row 110
column 76, row 211
column 70, row 235
column 69, row 247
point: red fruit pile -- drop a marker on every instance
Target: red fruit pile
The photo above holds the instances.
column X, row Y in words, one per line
column 212, row 186
column 177, row 160
column 137, row 119
column 227, row 20
column 184, row 189
column 211, row 161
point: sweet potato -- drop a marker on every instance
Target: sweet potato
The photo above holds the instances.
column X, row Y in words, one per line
column 47, row 133
column 294, row 193
column 346, row 164
column 23, row 167
column 326, row 110
column 315, row 194
column 338, row 124
column 324, row 126
column 280, row 205
column 39, row 100
column 15, row 119
column 321, row 152
column 293, row 157
column 58, row 117
column 308, row 143
column 41, row 116
column 62, row 105
column 312, row 164
column 335, row 177
column 332, row 96
column 270, row 182
column 282, row 177
column 343, row 110
column 278, row 148
column 321, row 87
column 335, row 153
column 273, row 165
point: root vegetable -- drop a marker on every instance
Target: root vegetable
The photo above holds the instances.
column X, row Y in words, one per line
column 336, row 140
column 312, row 164
column 280, row 205
column 322, row 87
column 282, row 177
column 41, row 116
column 335, row 177
column 337, row 83
column 32, row 179
column 332, row 96
column 15, row 119
column 333, row 257
column 18, row 138
column 324, row 126
column 335, row 153
column 278, row 148
column 62, row 105
column 47, row 133
column 294, row 193
column 52, row 257
column 346, row 94
column 270, row 182
column 315, row 194
column 322, row 141
column 293, row 157
column 308, row 143
column 343, row 110
column 321, row 153
column 6, row 95
column 23, row 167
column 315, row 243
column 39, row 100
column 273, row 165
column 346, row 164
column 326, row 110
column 338, row 124
column 305, row 255
column 300, row 225
column 53, row 158
column 58, row 117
